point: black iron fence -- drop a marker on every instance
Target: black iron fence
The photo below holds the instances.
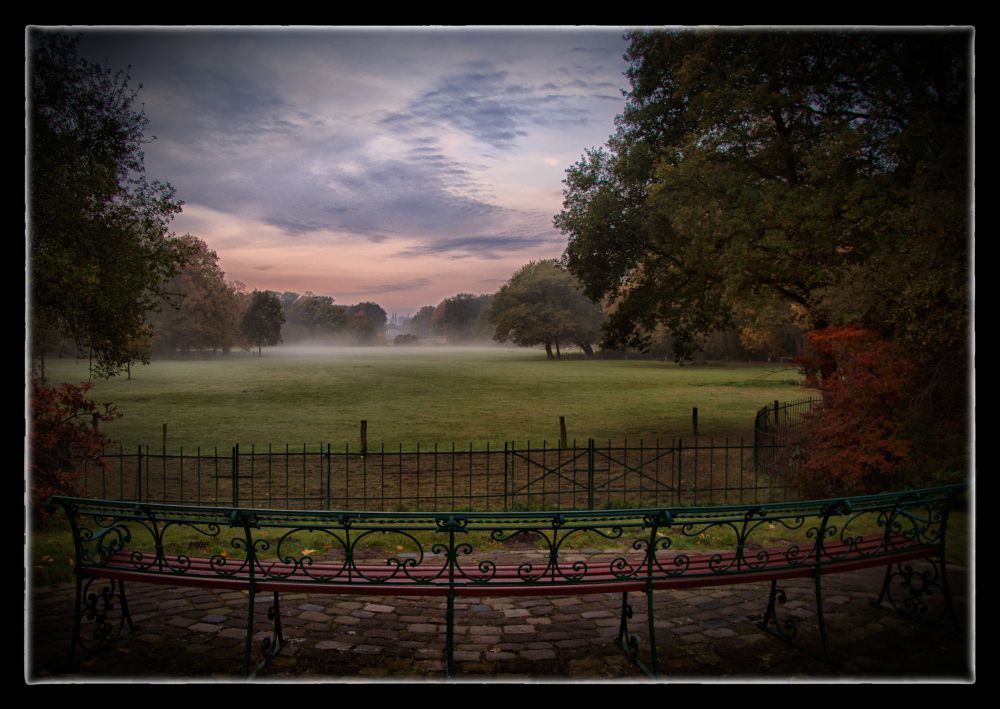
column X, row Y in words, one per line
column 771, row 430
column 589, row 475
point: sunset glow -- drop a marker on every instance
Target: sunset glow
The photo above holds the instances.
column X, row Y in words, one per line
column 399, row 166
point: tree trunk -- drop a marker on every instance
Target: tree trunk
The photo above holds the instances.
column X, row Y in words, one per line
column 558, row 353
column 548, row 349
column 827, row 365
column 258, row 348
column 587, row 349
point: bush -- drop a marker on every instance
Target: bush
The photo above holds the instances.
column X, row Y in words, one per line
column 854, row 442
column 405, row 339
column 63, row 438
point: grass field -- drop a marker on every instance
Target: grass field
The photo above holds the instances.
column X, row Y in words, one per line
column 427, row 395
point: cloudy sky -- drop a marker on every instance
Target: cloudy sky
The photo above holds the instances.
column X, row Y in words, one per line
column 400, row 166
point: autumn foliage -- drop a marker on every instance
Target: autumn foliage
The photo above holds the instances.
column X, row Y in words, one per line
column 855, row 441
column 63, row 436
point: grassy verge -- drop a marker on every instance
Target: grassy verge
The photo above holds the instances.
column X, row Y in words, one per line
column 427, row 396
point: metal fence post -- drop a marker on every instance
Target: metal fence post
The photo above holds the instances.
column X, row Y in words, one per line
column 505, row 473
column 680, row 471
column 590, row 473
column 328, row 474
column 236, row 475
column 756, row 441
column 138, row 475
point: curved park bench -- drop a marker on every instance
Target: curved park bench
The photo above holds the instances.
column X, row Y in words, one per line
column 466, row 554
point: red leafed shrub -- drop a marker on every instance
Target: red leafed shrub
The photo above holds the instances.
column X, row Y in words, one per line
column 63, row 437
column 854, row 441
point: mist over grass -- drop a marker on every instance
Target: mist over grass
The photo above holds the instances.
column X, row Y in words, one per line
column 420, row 348
column 303, row 394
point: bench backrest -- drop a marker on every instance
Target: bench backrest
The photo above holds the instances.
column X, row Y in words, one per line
column 446, row 549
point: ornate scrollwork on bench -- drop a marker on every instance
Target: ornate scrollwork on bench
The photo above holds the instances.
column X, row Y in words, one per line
column 453, row 554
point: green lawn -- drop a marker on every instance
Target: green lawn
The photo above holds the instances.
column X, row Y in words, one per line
column 427, row 395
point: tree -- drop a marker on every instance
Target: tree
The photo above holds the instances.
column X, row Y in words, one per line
column 100, row 250
column 200, row 309
column 313, row 317
column 366, row 322
column 462, row 318
column 261, row 324
column 373, row 312
column 760, row 171
column 543, row 304
column 420, row 324
column 818, row 179
column 855, row 441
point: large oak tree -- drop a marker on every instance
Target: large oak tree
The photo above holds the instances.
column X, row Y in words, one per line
column 543, row 304
column 822, row 178
column 756, row 171
column 100, row 249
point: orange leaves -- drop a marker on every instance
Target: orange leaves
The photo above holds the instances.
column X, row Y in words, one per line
column 63, row 436
column 855, row 442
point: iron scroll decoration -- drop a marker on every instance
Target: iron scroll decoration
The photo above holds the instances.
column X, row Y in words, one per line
column 444, row 546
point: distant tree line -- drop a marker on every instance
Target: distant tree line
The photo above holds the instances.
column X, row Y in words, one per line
column 203, row 311
column 316, row 318
column 460, row 319
column 543, row 304
column 200, row 309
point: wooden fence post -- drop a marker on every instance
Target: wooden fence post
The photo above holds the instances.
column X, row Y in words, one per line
column 364, row 437
column 562, row 431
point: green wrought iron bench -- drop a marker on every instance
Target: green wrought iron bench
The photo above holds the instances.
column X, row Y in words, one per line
column 462, row 554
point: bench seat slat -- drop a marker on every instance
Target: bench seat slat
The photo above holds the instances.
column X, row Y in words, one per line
column 368, row 577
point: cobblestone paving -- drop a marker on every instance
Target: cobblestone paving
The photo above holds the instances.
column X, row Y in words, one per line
column 702, row 635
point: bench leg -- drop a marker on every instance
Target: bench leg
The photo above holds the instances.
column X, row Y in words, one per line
column 629, row 644
column 126, row 615
column 917, row 587
column 97, row 607
column 449, row 638
column 270, row 647
column 820, row 619
column 248, row 643
column 787, row 629
column 885, row 587
column 652, row 633
column 75, row 640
